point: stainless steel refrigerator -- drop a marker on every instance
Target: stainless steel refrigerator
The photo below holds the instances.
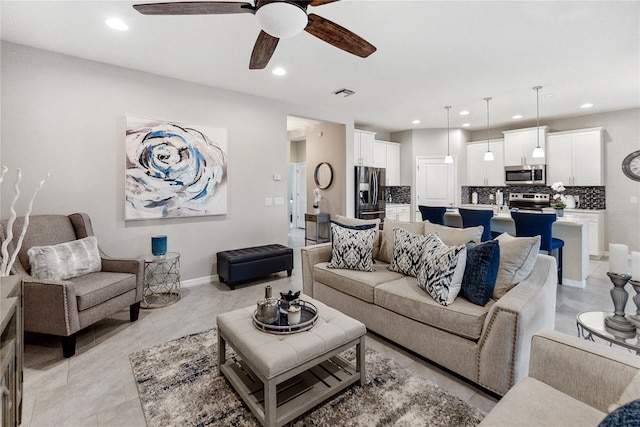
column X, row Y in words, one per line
column 370, row 192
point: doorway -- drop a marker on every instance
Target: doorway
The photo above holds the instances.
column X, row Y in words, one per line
column 435, row 182
column 298, row 195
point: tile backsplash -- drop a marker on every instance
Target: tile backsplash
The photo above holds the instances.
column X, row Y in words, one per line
column 398, row 194
column 589, row 197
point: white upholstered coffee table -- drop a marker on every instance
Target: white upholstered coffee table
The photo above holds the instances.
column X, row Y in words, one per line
column 294, row 372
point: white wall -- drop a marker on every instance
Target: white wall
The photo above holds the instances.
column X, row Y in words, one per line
column 66, row 116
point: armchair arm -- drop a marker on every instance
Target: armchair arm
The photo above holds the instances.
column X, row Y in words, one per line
column 50, row 306
column 587, row 371
column 126, row 265
column 505, row 342
column 312, row 255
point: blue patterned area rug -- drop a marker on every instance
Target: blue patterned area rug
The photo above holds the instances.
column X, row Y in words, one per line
column 178, row 386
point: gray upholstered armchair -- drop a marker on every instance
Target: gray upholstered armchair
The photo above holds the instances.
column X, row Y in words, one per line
column 63, row 307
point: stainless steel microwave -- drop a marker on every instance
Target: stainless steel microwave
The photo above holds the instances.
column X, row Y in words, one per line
column 525, row 175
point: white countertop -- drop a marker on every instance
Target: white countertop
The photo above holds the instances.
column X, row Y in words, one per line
column 397, row 205
column 479, row 206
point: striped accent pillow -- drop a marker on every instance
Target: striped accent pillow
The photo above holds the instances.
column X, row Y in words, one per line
column 442, row 270
column 65, row 260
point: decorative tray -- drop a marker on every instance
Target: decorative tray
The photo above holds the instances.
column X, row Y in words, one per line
column 308, row 319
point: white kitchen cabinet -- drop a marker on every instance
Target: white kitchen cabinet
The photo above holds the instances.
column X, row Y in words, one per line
column 519, row 146
column 379, row 154
column 481, row 173
column 596, row 229
column 575, row 157
column 363, row 147
column 398, row 212
column 387, row 155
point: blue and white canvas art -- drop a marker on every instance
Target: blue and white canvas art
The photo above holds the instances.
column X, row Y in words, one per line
column 174, row 170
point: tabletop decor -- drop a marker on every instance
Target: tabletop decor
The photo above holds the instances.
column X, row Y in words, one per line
column 174, row 170
column 316, row 200
column 619, row 275
column 558, row 202
column 635, row 283
column 159, row 245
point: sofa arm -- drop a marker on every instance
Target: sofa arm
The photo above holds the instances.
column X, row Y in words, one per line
column 505, row 342
column 312, row 255
column 584, row 370
column 50, row 307
column 128, row 265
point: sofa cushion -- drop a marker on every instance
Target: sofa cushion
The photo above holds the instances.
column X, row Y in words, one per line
column 402, row 296
column 442, row 269
column 357, row 221
column 65, row 260
column 407, row 252
column 481, row 271
column 386, row 243
column 517, row 258
column 359, row 284
column 453, row 236
column 95, row 288
column 352, row 247
column 534, row 403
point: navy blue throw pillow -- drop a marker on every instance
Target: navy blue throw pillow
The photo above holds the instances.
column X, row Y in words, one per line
column 481, row 271
column 627, row 415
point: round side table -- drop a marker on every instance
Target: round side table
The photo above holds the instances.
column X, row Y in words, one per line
column 161, row 280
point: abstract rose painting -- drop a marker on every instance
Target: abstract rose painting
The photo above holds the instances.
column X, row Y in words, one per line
column 174, row 170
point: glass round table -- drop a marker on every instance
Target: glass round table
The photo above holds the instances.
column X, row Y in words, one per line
column 591, row 323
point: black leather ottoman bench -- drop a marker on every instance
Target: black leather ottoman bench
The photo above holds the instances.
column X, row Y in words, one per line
column 240, row 265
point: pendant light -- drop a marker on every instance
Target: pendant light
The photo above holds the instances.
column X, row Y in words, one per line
column 488, row 156
column 538, row 152
column 448, row 158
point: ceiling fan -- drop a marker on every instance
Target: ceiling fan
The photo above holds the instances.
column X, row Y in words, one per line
column 277, row 19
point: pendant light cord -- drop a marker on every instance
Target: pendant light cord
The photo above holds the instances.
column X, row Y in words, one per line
column 448, row 107
column 537, row 89
column 488, row 99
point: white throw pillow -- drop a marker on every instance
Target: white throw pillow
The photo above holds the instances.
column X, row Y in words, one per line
column 65, row 260
column 442, row 270
column 517, row 258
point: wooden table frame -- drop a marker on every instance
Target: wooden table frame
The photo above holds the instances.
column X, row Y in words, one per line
column 340, row 374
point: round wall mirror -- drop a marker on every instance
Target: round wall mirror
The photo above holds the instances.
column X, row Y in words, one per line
column 323, row 175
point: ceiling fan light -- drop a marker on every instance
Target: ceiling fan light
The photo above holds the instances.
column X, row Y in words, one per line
column 538, row 152
column 448, row 158
column 488, row 156
column 282, row 19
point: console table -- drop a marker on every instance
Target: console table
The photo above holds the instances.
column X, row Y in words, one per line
column 161, row 280
column 318, row 219
column 11, row 350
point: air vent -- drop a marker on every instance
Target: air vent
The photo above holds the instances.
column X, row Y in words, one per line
column 344, row 92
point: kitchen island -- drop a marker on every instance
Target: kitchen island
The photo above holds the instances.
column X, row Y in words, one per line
column 573, row 230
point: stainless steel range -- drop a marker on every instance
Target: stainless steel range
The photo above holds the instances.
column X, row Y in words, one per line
column 529, row 201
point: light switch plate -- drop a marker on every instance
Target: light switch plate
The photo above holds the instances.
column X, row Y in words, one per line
column 278, row 201
column 268, row 201
column 633, row 200
column 277, row 177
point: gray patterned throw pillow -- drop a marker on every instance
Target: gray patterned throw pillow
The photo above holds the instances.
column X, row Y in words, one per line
column 352, row 247
column 407, row 252
column 442, row 270
column 65, row 260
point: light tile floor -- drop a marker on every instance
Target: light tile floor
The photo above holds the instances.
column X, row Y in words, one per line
column 96, row 386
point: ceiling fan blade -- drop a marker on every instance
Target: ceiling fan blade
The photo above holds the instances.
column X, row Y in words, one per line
column 194, row 8
column 321, row 2
column 262, row 51
column 338, row 36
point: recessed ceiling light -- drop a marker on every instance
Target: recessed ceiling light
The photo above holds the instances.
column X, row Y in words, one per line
column 587, row 105
column 116, row 24
column 550, row 95
column 517, row 116
column 416, row 122
column 464, row 113
column 466, row 125
column 279, row 71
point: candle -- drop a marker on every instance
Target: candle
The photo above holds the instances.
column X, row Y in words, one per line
column 293, row 315
column 635, row 265
column 618, row 258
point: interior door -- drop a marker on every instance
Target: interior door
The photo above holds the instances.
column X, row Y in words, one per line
column 301, row 194
column 435, row 182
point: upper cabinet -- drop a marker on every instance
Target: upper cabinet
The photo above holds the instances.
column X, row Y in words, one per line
column 387, row 155
column 363, row 147
column 575, row 157
column 519, row 146
column 481, row 173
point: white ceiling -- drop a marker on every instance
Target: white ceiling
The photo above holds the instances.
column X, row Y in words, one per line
column 430, row 54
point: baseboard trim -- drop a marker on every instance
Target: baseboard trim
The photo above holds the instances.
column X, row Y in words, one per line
column 199, row 281
column 574, row 283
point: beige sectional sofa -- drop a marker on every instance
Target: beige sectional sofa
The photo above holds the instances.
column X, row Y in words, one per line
column 488, row 345
column 571, row 382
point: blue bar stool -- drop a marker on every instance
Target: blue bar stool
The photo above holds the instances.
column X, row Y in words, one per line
column 435, row 214
column 475, row 217
column 539, row 224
